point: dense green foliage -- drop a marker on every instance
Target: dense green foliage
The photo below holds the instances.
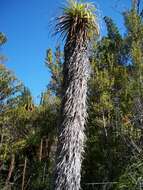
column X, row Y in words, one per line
column 113, row 151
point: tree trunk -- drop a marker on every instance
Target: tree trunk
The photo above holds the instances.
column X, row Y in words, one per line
column 24, row 173
column 41, row 150
column 10, row 169
column 71, row 131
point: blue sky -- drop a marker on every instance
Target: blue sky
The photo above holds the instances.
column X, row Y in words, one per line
column 27, row 25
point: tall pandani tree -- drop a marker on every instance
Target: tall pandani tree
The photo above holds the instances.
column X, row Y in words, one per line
column 78, row 25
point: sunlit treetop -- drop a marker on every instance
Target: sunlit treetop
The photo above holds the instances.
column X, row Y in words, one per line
column 3, row 38
column 79, row 21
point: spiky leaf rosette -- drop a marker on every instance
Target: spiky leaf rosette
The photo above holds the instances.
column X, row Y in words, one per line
column 79, row 21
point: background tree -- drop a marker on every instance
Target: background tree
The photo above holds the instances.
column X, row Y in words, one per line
column 54, row 62
column 3, row 40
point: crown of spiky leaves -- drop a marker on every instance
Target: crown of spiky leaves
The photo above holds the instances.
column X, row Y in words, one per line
column 78, row 21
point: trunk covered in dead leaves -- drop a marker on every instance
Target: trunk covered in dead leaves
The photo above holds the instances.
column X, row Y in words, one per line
column 71, row 132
